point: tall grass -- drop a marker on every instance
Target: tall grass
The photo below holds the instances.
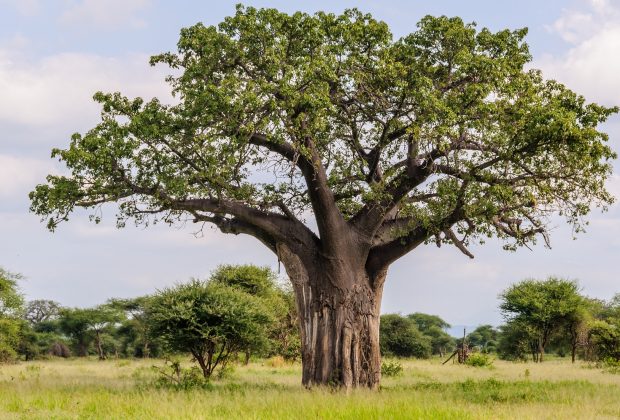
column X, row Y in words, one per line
column 426, row 390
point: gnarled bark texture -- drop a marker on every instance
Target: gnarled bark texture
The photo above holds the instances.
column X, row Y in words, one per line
column 339, row 308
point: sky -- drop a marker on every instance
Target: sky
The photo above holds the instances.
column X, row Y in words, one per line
column 54, row 54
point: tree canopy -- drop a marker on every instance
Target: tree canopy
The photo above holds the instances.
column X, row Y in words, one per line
column 541, row 308
column 210, row 320
column 439, row 133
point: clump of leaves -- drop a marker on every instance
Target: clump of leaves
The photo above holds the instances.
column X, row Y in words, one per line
column 611, row 365
column 391, row 368
column 479, row 360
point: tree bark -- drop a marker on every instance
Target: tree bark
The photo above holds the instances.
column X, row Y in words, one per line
column 339, row 304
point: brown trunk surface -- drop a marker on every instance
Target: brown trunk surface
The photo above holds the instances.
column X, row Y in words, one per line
column 339, row 311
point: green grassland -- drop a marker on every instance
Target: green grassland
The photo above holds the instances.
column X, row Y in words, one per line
column 121, row 389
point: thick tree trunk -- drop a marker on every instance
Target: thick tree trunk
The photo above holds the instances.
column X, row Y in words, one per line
column 339, row 311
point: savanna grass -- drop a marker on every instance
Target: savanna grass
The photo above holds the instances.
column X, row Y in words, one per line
column 426, row 390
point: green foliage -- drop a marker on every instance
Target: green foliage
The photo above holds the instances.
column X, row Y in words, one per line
column 256, row 281
column 605, row 336
column 516, row 341
column 11, row 308
column 210, row 320
column 399, row 336
column 86, row 326
column 484, row 338
column 174, row 376
column 479, row 360
column 391, row 368
column 434, row 327
column 262, row 282
column 134, row 335
column 11, row 300
column 448, row 116
column 541, row 308
column 9, row 339
column 611, row 365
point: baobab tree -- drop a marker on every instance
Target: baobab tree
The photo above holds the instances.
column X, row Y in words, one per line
column 387, row 144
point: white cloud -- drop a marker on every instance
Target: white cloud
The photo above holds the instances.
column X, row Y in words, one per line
column 57, row 89
column 107, row 14
column 591, row 67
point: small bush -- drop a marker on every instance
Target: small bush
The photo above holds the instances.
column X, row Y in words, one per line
column 391, row 368
column 7, row 354
column 479, row 360
column 174, row 376
column 611, row 365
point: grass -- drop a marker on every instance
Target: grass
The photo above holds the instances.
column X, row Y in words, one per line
column 426, row 390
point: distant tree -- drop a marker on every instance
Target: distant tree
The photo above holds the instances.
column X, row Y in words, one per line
column 484, row 337
column 41, row 310
column 102, row 320
column 604, row 333
column 434, row 327
column 11, row 309
column 578, row 323
column 209, row 320
column 135, row 331
column 543, row 306
column 86, row 326
column 11, row 299
column 516, row 341
column 606, row 339
column 400, row 337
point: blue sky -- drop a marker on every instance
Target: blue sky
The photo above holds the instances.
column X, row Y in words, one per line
column 55, row 54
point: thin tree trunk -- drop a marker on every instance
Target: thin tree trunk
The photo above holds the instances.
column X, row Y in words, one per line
column 339, row 311
column 146, row 351
column 574, row 342
column 99, row 347
column 541, row 353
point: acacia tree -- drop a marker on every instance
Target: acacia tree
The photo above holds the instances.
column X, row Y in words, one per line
column 41, row 310
column 434, row 327
column 441, row 135
column 542, row 308
column 211, row 320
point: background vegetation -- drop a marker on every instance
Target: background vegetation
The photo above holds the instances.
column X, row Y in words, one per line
column 242, row 312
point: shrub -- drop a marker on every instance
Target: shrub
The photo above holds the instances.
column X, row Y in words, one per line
column 7, row 354
column 479, row 360
column 611, row 365
column 400, row 337
column 212, row 321
column 173, row 375
column 391, row 368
